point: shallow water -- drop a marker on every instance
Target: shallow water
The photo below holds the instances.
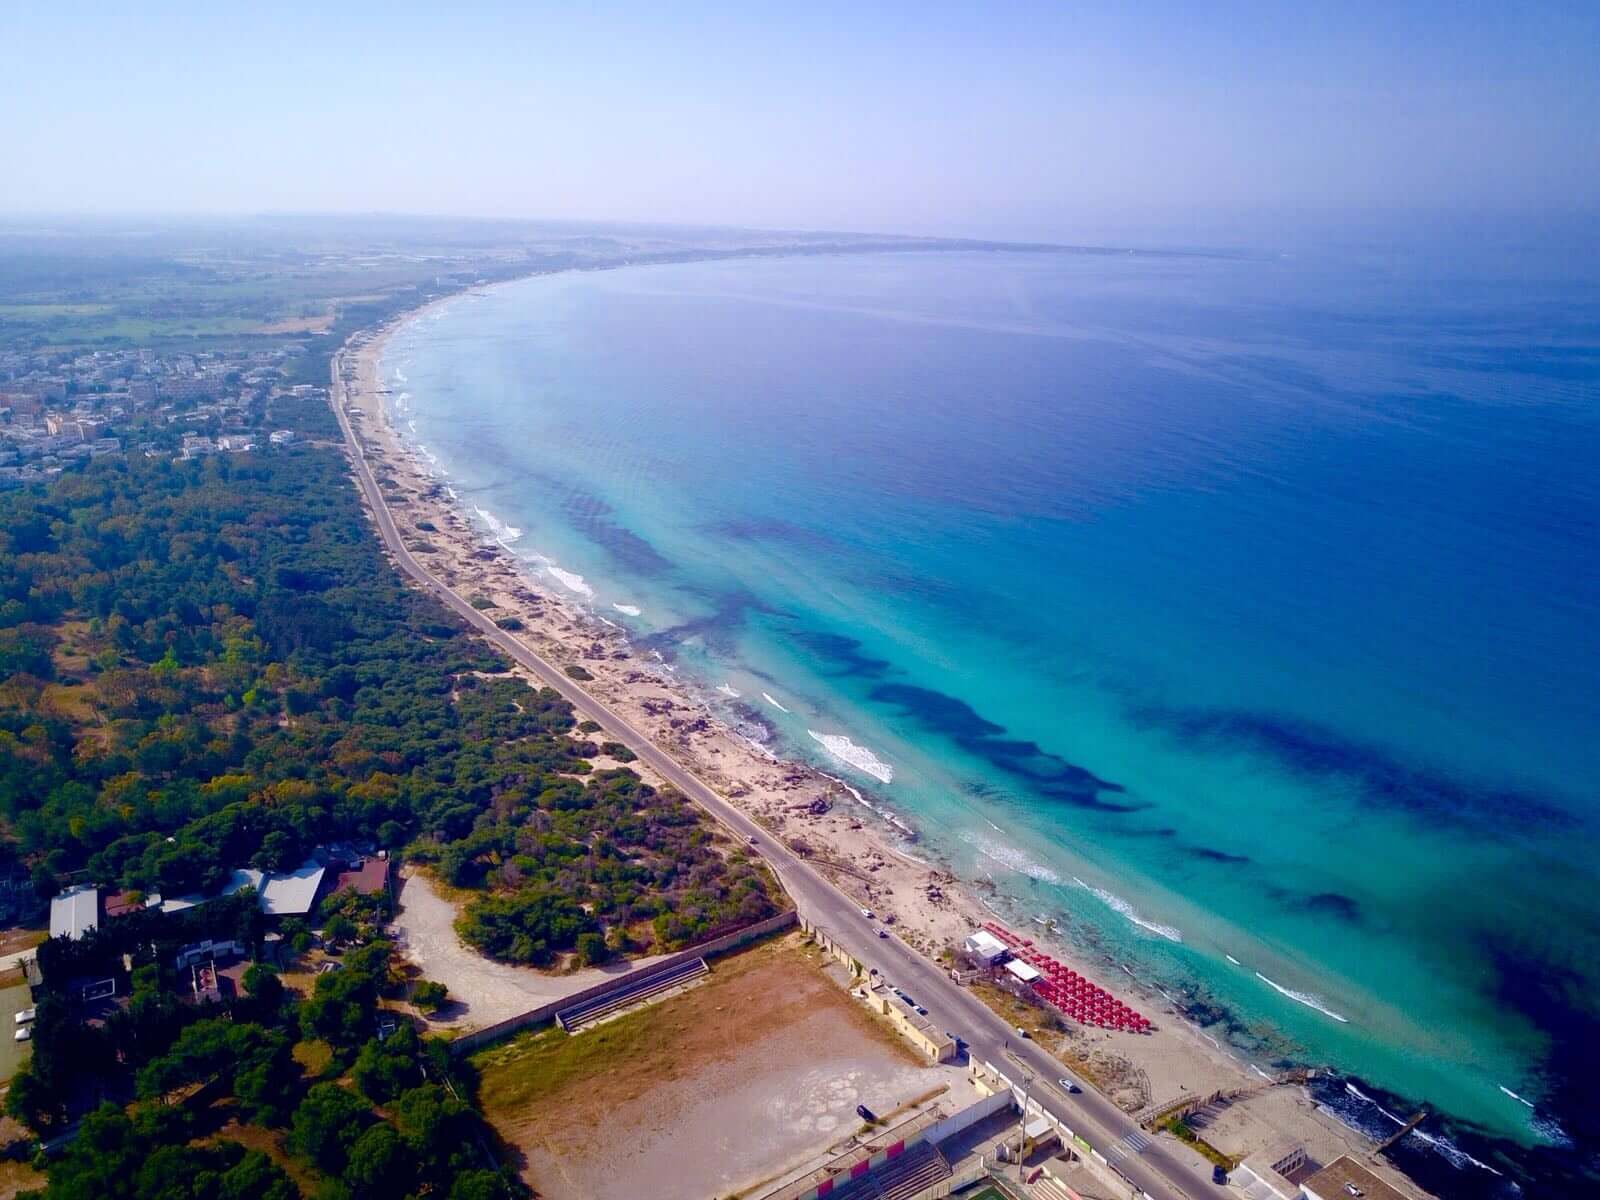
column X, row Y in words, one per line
column 1239, row 611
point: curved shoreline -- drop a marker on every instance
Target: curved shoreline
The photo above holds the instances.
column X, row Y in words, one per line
column 869, row 843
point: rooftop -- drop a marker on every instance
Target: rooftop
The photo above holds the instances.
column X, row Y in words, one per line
column 1345, row 1178
column 75, row 912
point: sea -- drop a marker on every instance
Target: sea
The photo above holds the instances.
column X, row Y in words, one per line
column 1233, row 612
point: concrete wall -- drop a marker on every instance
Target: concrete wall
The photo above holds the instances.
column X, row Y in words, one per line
column 546, row 1013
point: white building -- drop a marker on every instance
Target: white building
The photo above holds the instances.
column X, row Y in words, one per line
column 75, row 912
column 985, row 948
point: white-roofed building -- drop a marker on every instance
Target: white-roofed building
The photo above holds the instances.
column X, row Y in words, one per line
column 985, row 948
column 75, row 912
column 1022, row 970
column 293, row 894
column 281, row 894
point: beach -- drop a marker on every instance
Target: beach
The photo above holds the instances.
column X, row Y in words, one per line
column 863, row 852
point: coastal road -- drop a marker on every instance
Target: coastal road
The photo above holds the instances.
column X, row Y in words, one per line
column 1158, row 1169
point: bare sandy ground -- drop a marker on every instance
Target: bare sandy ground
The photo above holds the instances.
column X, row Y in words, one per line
column 483, row 991
column 754, row 1074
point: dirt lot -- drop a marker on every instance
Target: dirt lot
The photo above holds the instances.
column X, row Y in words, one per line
column 709, row 1093
column 482, row 991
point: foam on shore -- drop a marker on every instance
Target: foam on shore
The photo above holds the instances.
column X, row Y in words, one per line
column 859, row 757
column 628, row 610
column 1010, row 857
column 1305, row 998
column 503, row 533
column 1118, row 905
column 570, row 580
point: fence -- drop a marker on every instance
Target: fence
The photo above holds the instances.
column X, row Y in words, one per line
column 546, row 1013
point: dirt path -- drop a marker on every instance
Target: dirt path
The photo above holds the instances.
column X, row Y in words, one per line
column 484, row 991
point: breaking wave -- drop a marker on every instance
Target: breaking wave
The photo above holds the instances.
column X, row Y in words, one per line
column 1118, row 905
column 503, row 533
column 847, row 752
column 767, row 696
column 570, row 580
column 1305, row 998
column 1010, row 857
column 628, row 610
column 727, row 691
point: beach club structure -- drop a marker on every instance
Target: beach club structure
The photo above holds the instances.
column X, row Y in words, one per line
column 1072, row 995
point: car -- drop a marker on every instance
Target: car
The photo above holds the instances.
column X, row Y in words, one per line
column 865, row 1113
column 754, row 841
column 1353, row 1190
column 1218, row 1175
column 883, row 933
column 26, row 1015
column 1068, row 1086
column 23, row 1034
column 921, row 1012
column 1022, row 1033
column 867, row 913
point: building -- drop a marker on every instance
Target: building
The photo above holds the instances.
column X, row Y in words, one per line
column 75, row 912
column 1022, row 972
column 984, row 948
column 369, row 876
column 922, row 1033
column 282, row 894
column 1346, row 1179
column 281, row 437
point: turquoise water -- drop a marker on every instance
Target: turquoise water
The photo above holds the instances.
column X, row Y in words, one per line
column 1237, row 611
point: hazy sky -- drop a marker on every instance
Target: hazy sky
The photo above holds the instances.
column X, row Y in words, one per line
column 1020, row 120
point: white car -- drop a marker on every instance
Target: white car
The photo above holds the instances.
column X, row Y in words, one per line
column 23, row 1034
column 867, row 913
column 26, row 1015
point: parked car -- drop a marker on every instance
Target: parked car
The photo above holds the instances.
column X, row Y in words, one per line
column 1068, row 1086
column 23, row 1034
column 26, row 1015
column 867, row 913
column 1218, row 1175
column 1021, row 1032
column 865, row 1113
column 883, row 933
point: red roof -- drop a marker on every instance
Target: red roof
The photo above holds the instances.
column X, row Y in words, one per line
column 370, row 878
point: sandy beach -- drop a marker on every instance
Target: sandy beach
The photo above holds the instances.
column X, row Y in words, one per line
column 813, row 813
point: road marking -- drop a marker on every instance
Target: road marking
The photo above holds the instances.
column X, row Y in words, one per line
column 1132, row 1143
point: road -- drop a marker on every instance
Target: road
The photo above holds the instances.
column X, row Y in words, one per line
column 1152, row 1165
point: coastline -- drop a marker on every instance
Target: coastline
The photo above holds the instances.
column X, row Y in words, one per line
column 853, row 843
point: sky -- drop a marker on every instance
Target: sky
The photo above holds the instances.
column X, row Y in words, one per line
column 1005, row 120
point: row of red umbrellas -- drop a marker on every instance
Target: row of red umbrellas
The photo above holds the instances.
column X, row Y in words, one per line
column 1077, row 998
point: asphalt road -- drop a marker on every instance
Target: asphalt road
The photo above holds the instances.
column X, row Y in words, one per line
column 1155, row 1167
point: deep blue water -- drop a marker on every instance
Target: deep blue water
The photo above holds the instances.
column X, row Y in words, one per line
column 1238, row 611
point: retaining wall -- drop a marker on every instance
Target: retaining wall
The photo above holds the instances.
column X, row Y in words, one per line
column 546, row 1013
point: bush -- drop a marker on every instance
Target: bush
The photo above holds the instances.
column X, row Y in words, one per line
column 430, row 996
column 579, row 673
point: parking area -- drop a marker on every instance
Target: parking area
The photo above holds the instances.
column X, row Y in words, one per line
column 14, row 997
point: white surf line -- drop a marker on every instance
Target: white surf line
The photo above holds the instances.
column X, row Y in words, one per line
column 1118, row 905
column 767, row 696
column 1232, row 959
column 1514, row 1096
column 852, row 755
column 628, row 610
column 1305, row 998
column 727, row 691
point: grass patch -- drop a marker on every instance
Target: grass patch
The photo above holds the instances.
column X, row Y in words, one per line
column 315, row 1057
column 1179, row 1129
